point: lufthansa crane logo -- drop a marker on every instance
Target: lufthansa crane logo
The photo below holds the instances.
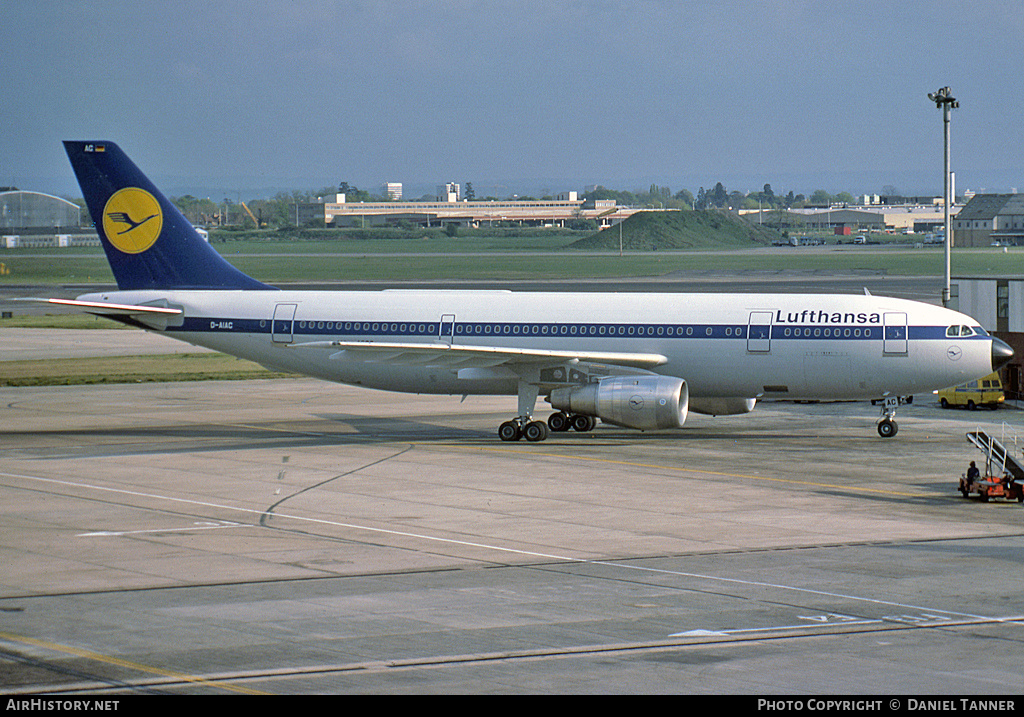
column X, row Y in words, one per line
column 132, row 220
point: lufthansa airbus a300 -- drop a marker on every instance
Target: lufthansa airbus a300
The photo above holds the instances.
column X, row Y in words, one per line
column 630, row 359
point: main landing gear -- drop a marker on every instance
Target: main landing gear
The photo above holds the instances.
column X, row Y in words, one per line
column 562, row 421
column 523, row 428
column 535, row 431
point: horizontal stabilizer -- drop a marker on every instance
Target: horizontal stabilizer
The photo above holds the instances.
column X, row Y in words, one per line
column 103, row 309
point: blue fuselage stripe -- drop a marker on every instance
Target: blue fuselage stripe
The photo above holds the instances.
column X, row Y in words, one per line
column 426, row 329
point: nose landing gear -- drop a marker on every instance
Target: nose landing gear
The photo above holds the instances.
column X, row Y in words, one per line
column 887, row 426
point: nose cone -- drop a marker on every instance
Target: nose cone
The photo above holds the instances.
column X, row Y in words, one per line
column 1001, row 353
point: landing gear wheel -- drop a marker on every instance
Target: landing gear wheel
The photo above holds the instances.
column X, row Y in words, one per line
column 583, row 423
column 558, row 422
column 887, row 428
column 509, row 431
column 535, row 431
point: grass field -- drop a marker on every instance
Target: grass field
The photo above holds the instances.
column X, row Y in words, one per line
column 60, row 321
column 130, row 369
column 386, row 260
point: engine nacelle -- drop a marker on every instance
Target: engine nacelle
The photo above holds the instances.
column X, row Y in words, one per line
column 722, row 406
column 644, row 402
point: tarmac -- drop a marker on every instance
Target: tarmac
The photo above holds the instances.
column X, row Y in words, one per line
column 292, row 536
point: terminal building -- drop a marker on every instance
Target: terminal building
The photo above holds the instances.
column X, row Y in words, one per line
column 556, row 212
column 998, row 305
column 917, row 218
column 991, row 220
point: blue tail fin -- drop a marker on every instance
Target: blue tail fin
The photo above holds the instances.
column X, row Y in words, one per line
column 148, row 242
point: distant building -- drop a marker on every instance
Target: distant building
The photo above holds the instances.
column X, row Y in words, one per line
column 393, row 191
column 998, row 305
column 34, row 210
column 448, row 192
column 989, row 219
column 549, row 213
column 918, row 217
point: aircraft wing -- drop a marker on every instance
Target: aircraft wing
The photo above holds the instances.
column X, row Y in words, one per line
column 443, row 355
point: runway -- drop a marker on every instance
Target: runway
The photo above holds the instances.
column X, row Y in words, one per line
column 292, row 536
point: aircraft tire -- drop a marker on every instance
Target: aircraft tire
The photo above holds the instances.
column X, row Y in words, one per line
column 509, row 431
column 535, row 431
column 558, row 422
column 887, row 428
column 583, row 423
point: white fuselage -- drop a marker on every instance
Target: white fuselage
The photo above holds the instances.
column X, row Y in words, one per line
column 723, row 345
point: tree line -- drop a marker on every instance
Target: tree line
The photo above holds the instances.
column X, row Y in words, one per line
column 719, row 198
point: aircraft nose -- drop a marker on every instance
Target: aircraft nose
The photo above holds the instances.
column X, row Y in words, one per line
column 1001, row 353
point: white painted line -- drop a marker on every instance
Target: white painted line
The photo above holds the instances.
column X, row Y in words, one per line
column 726, row 633
column 515, row 551
column 198, row 526
column 320, row 521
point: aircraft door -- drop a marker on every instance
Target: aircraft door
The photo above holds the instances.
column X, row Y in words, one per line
column 446, row 331
column 284, row 320
column 759, row 332
column 894, row 338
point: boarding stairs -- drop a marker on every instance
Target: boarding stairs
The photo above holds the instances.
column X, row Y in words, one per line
column 997, row 457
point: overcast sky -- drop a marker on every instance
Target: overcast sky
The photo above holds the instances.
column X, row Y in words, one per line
column 516, row 96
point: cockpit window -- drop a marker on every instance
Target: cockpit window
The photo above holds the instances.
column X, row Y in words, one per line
column 980, row 331
column 966, row 331
column 953, row 331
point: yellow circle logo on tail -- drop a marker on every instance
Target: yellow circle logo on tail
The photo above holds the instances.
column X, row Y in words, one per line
column 132, row 220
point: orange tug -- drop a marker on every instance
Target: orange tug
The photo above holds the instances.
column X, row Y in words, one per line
column 1003, row 476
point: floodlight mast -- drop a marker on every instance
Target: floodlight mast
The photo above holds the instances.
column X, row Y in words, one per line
column 943, row 99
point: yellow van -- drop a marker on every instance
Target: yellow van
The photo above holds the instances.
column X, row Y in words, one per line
column 987, row 392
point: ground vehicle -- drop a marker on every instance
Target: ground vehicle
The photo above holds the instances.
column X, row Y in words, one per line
column 1003, row 475
column 992, row 487
column 986, row 391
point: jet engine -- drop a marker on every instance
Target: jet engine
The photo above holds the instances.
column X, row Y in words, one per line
column 722, row 406
column 643, row 402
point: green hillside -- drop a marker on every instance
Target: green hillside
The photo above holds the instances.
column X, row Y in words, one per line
column 648, row 231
